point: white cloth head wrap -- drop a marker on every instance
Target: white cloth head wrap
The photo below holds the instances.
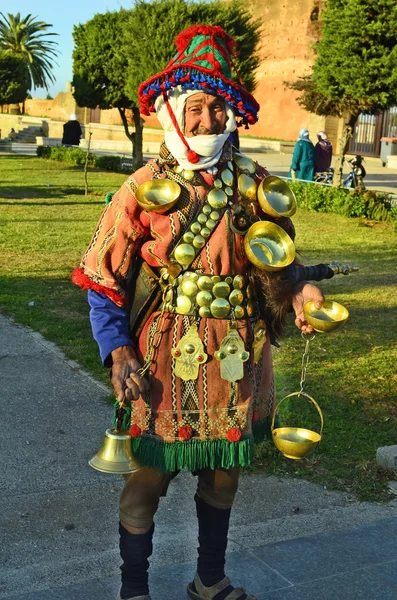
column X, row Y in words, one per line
column 209, row 147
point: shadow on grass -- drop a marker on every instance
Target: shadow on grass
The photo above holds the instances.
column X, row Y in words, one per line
column 20, row 194
column 69, row 203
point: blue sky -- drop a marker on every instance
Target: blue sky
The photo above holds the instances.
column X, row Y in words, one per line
column 62, row 15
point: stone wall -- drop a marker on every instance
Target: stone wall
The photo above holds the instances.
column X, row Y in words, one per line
column 60, row 108
column 289, row 28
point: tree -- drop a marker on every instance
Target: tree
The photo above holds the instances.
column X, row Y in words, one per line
column 27, row 38
column 99, row 68
column 14, row 79
column 354, row 68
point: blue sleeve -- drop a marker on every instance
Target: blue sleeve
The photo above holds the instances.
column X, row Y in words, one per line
column 110, row 325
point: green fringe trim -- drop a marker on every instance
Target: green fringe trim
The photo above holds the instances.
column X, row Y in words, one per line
column 196, row 454
column 192, row 454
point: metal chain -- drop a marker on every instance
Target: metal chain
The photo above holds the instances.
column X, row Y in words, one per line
column 305, row 359
column 160, row 320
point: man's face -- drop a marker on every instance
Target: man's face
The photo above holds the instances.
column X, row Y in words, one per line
column 204, row 115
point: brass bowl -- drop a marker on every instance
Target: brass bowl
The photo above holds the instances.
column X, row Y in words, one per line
column 296, row 442
column 158, row 195
column 276, row 197
column 329, row 317
column 268, row 246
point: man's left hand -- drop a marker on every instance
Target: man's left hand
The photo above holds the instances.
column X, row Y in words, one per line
column 305, row 292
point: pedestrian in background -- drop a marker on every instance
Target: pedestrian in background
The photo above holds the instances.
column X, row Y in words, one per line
column 323, row 150
column 303, row 158
column 71, row 132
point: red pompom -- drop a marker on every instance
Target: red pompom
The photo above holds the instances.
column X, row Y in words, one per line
column 234, row 434
column 186, row 36
column 135, row 431
column 255, row 416
column 193, row 157
column 185, row 432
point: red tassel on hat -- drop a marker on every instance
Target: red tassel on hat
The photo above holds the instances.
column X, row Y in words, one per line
column 192, row 156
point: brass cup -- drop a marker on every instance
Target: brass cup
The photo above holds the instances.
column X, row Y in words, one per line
column 276, row 197
column 158, row 195
column 296, row 442
column 328, row 318
column 268, row 246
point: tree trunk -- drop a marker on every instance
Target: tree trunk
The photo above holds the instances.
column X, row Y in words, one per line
column 87, row 156
column 137, row 156
column 131, row 136
column 349, row 122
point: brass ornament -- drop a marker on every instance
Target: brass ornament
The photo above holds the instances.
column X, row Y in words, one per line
column 189, row 355
column 244, row 163
column 238, row 282
column 204, row 298
column 232, row 355
column 184, row 254
column 195, row 227
column 199, row 241
column 217, row 198
column 227, row 177
column 220, row 308
column 276, row 197
column 247, row 187
column 221, row 290
column 239, row 312
column 188, row 237
column 183, row 305
column 189, row 287
column 268, row 246
column 236, row 298
column 158, row 195
column 205, row 282
column 259, row 339
column 188, row 175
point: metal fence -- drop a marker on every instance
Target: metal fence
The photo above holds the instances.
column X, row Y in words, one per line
column 370, row 129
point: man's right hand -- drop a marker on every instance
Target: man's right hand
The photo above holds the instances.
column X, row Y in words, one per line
column 127, row 384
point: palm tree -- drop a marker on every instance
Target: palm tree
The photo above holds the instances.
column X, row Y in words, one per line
column 26, row 38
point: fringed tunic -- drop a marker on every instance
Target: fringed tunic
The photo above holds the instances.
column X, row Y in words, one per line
column 206, row 422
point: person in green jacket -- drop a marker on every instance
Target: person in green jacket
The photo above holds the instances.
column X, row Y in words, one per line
column 303, row 158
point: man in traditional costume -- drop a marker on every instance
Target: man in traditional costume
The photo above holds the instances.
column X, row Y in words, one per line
column 192, row 363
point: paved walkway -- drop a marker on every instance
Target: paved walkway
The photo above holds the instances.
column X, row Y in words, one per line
column 289, row 539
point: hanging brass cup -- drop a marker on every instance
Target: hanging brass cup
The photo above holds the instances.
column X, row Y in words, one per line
column 276, row 197
column 329, row 317
column 268, row 246
column 296, row 442
column 158, row 195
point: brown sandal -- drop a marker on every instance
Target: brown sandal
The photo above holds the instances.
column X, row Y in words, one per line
column 209, row 593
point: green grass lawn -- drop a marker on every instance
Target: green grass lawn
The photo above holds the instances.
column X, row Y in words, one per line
column 46, row 223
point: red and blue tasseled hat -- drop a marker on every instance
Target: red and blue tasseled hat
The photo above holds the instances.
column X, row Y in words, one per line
column 203, row 62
